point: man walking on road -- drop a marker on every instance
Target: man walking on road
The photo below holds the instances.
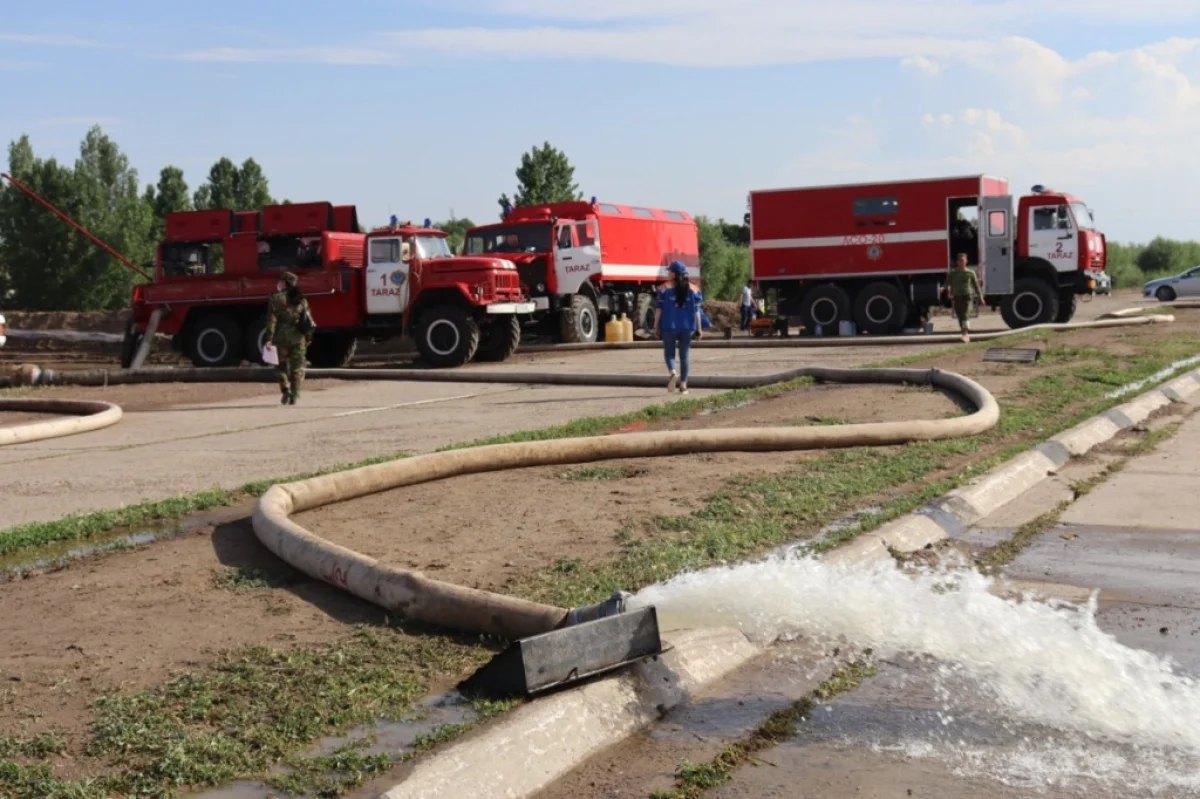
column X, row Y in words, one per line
column 964, row 286
column 288, row 332
column 747, row 306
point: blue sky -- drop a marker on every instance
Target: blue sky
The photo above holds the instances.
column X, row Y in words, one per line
column 419, row 108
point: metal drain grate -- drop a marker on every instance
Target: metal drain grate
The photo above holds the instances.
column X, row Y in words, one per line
column 1011, row 355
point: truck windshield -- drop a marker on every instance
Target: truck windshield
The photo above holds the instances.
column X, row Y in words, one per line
column 1083, row 216
column 432, row 247
column 509, row 238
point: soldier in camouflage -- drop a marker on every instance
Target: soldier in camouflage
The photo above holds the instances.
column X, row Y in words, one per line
column 286, row 310
column 964, row 286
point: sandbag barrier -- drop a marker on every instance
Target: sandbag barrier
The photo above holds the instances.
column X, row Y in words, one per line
column 83, row 416
column 420, row 598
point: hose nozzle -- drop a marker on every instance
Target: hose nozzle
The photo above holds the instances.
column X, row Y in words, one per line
column 612, row 606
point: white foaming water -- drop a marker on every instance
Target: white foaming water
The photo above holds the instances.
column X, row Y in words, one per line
column 1045, row 663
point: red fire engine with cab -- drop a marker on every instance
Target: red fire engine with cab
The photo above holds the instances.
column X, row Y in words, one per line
column 215, row 270
column 877, row 254
column 584, row 262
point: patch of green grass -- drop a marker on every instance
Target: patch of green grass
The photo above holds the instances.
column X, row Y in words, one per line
column 37, row 747
column 244, row 579
column 603, row 473
column 694, row 779
column 329, row 776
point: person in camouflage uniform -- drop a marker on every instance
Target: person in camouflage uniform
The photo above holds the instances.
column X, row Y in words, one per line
column 285, row 309
column 964, row 286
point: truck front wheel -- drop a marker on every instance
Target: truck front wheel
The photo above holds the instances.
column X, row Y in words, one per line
column 1067, row 303
column 447, row 336
column 499, row 339
column 1033, row 302
column 215, row 340
column 580, row 322
column 825, row 305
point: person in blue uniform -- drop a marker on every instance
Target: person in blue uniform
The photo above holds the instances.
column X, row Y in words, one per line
column 677, row 322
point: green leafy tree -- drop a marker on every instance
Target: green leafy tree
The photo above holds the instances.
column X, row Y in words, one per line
column 724, row 265
column 234, row 188
column 456, row 230
column 168, row 196
column 544, row 176
column 50, row 265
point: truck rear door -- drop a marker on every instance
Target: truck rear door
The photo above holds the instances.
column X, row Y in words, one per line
column 996, row 244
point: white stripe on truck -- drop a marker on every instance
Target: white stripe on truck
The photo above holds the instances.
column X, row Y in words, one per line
column 854, row 240
column 640, row 270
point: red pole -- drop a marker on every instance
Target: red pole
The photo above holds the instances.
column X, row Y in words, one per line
column 77, row 226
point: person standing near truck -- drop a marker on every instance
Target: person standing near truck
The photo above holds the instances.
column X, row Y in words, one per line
column 964, row 287
column 677, row 322
column 289, row 332
column 747, row 306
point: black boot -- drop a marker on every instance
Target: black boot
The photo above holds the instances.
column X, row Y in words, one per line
column 286, row 398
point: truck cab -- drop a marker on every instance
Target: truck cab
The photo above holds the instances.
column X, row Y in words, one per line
column 1061, row 230
column 457, row 308
column 585, row 262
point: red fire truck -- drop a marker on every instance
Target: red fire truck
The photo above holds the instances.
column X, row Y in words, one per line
column 877, row 254
column 215, row 270
column 584, row 262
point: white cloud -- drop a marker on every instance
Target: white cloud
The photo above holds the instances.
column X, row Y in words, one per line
column 921, row 64
column 49, row 40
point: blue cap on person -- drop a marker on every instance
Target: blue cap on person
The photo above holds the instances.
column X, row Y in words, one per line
column 677, row 266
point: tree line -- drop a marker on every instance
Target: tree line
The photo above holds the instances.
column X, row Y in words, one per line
column 44, row 265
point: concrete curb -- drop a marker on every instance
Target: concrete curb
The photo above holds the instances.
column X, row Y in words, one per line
column 530, row 748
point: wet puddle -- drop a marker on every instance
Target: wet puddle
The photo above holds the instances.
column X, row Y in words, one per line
column 395, row 738
column 57, row 555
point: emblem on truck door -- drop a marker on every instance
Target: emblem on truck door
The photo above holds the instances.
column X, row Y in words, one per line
column 874, row 252
column 397, row 277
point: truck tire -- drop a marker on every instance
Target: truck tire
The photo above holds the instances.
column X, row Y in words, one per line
column 332, row 350
column 447, row 336
column 1033, row 302
column 580, row 322
column 881, row 309
column 129, row 344
column 1067, row 303
column 826, row 305
column 214, row 340
column 499, row 339
column 643, row 314
column 256, row 337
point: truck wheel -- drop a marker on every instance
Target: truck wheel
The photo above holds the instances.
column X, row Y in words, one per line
column 643, row 313
column 499, row 339
column 825, row 305
column 881, row 309
column 1067, row 303
column 256, row 337
column 580, row 322
column 447, row 336
column 129, row 344
column 332, row 350
column 1033, row 302
column 215, row 340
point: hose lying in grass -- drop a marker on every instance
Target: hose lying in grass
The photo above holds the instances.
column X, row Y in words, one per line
column 417, row 597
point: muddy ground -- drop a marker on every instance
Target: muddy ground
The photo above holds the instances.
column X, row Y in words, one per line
column 127, row 620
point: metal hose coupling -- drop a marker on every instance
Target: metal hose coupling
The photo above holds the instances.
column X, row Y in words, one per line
column 612, row 606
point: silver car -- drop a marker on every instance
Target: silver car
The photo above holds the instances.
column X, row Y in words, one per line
column 1185, row 284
